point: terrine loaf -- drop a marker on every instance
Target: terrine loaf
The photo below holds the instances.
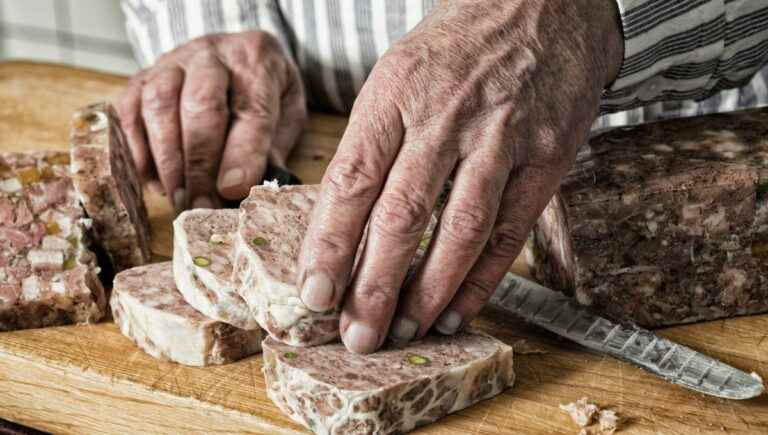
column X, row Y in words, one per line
column 47, row 274
column 332, row 391
column 106, row 179
column 665, row 223
column 273, row 221
column 150, row 311
column 202, row 265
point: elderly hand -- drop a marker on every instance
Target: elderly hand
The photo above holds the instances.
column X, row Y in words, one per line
column 497, row 96
column 204, row 120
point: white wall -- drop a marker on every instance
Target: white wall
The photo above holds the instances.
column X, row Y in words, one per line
column 86, row 33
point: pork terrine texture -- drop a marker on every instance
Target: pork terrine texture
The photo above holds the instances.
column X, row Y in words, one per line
column 273, row 221
column 332, row 391
column 203, row 246
column 48, row 276
column 106, row 179
column 663, row 224
column 149, row 310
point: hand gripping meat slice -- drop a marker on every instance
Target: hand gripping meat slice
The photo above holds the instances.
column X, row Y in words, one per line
column 48, row 276
column 203, row 242
column 150, row 311
column 106, row 179
column 332, row 391
column 273, row 221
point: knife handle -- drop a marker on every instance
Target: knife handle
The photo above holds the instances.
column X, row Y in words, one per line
column 283, row 176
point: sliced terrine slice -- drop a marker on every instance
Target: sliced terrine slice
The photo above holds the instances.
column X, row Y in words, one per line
column 150, row 311
column 106, row 179
column 202, row 265
column 332, row 391
column 273, row 221
column 47, row 274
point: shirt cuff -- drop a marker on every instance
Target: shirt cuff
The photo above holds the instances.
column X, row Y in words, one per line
column 671, row 51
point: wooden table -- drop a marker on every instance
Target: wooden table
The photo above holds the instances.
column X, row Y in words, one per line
column 91, row 379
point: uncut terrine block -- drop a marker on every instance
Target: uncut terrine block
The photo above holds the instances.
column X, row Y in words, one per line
column 203, row 242
column 149, row 310
column 273, row 221
column 48, row 276
column 106, row 179
column 332, row 391
column 663, row 224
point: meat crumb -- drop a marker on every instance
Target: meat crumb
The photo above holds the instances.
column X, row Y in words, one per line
column 522, row 347
column 583, row 414
column 608, row 421
column 581, row 411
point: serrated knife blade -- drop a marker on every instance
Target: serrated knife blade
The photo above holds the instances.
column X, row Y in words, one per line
column 673, row 362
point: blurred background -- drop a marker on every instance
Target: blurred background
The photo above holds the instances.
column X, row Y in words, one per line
column 86, row 33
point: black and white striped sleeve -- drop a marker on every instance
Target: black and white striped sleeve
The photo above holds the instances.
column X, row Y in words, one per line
column 155, row 27
column 687, row 49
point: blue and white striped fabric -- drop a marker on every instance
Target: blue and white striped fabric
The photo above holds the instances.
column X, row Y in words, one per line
column 682, row 57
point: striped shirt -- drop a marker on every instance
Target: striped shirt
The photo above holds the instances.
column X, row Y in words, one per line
column 681, row 57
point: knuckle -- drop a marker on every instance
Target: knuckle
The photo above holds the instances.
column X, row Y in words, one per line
column 507, row 240
column 167, row 162
column 401, row 214
column 376, row 295
column 352, row 180
column 477, row 291
column 333, row 245
column 467, row 223
column 204, row 98
column 253, row 106
column 201, row 43
column 160, row 94
column 199, row 159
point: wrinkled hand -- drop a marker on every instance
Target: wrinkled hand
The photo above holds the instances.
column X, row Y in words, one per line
column 497, row 96
column 203, row 121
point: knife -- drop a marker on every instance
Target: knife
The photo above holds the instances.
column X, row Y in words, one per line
column 284, row 177
column 673, row 362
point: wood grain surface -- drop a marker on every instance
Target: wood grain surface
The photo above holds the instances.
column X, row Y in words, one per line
column 91, row 379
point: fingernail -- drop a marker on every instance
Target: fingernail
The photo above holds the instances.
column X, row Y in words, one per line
column 232, row 178
column 155, row 187
column 448, row 323
column 361, row 338
column 202, row 202
column 317, row 292
column 403, row 330
column 179, row 199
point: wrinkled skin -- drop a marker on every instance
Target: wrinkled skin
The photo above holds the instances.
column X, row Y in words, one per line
column 203, row 121
column 497, row 96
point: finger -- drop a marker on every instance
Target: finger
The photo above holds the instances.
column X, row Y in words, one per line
column 465, row 225
column 527, row 193
column 293, row 120
column 398, row 220
column 204, row 119
column 160, row 110
column 255, row 108
column 349, row 189
column 129, row 110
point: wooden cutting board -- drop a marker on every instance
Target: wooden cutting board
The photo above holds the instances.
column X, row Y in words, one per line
column 91, row 379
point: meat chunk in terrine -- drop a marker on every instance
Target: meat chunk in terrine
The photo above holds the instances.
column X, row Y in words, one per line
column 48, row 276
column 332, row 391
column 202, row 249
column 273, row 221
column 665, row 223
column 150, row 311
column 106, row 179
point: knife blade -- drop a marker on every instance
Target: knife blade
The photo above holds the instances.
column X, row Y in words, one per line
column 673, row 362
